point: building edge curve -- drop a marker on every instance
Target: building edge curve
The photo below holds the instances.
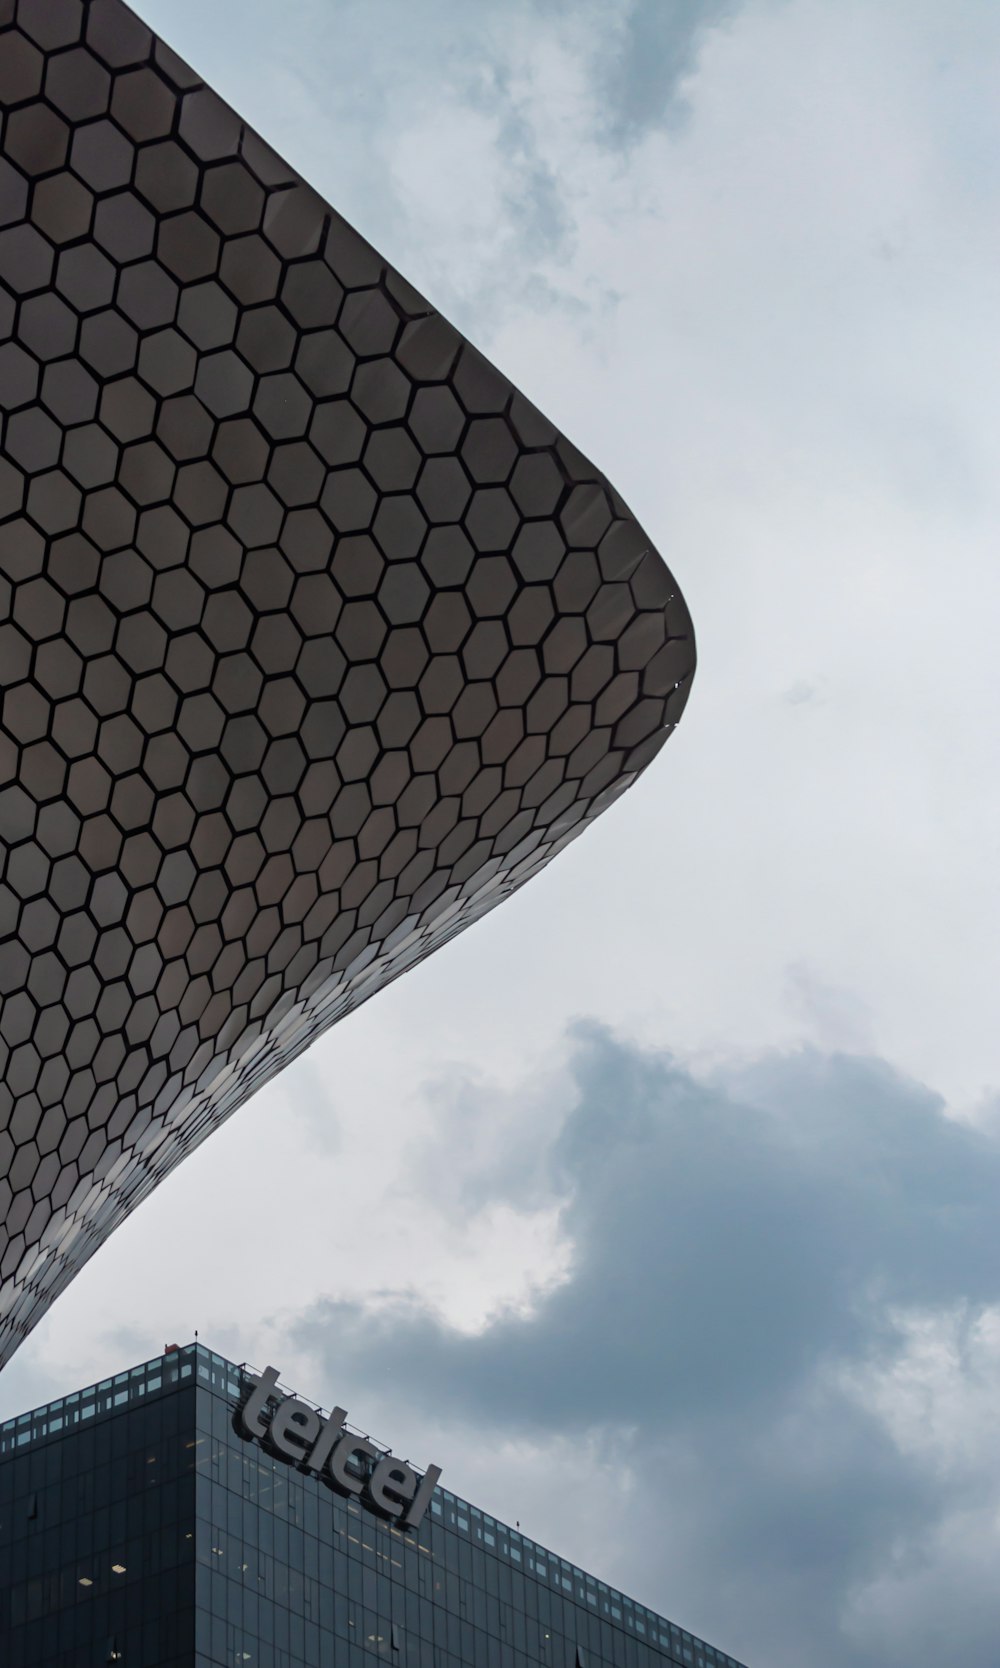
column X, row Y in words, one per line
column 317, row 640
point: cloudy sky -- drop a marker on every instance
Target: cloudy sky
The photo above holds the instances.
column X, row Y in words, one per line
column 660, row 1209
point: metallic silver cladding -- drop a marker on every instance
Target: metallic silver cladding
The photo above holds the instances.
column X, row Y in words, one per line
column 317, row 640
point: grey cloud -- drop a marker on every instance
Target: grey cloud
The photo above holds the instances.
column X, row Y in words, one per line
column 480, row 1145
column 395, row 62
column 641, row 77
column 536, row 205
column 739, row 1246
column 800, row 694
column 640, row 50
column 410, row 61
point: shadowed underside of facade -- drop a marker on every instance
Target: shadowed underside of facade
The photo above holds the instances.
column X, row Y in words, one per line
column 316, row 639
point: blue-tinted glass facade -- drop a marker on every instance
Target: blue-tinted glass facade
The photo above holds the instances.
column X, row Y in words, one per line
column 137, row 1527
column 97, row 1524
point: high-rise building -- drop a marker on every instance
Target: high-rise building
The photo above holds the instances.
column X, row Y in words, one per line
column 164, row 1519
column 317, row 639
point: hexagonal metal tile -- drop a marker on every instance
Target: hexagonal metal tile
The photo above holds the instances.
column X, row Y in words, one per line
column 316, row 639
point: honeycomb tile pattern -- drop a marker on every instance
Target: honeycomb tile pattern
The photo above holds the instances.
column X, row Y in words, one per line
column 316, row 639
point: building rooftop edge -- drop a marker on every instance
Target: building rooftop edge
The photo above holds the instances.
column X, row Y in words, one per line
column 117, row 1386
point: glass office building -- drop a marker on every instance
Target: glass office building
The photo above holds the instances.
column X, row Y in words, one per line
column 139, row 1526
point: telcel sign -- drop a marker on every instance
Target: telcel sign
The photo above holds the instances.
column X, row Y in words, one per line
column 351, row 1463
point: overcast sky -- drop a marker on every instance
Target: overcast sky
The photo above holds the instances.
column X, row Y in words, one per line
column 660, row 1209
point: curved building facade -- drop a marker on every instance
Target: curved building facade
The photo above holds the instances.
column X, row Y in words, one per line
column 316, row 639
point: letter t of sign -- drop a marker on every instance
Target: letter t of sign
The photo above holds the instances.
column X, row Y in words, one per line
column 249, row 1416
